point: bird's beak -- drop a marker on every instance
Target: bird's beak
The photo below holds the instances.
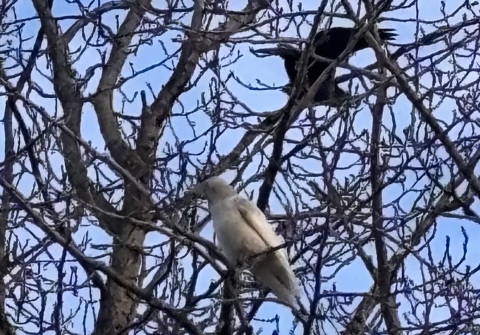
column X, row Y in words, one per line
column 196, row 190
column 282, row 50
column 267, row 52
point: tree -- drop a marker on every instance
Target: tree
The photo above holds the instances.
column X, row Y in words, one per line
column 114, row 109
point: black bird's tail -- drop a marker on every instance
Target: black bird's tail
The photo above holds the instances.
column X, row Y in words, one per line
column 330, row 43
column 387, row 34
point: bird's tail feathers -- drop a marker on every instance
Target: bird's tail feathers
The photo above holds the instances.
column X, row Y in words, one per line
column 279, row 277
column 387, row 34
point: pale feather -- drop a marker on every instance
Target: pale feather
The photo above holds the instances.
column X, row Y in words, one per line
column 242, row 230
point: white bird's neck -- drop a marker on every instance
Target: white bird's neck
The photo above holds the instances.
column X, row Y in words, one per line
column 218, row 204
column 221, row 195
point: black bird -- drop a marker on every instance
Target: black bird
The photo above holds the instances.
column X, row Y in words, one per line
column 328, row 44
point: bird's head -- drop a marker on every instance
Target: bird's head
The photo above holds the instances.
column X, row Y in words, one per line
column 214, row 188
column 287, row 89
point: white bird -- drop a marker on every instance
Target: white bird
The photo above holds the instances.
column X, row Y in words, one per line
column 243, row 231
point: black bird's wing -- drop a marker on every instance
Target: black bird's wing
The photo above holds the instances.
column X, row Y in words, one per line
column 332, row 42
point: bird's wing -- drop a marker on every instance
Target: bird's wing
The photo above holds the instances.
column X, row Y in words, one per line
column 275, row 271
column 255, row 218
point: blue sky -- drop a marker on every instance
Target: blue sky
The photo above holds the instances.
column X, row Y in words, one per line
column 353, row 278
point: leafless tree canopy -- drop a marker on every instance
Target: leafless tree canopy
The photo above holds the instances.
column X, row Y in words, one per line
column 114, row 109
